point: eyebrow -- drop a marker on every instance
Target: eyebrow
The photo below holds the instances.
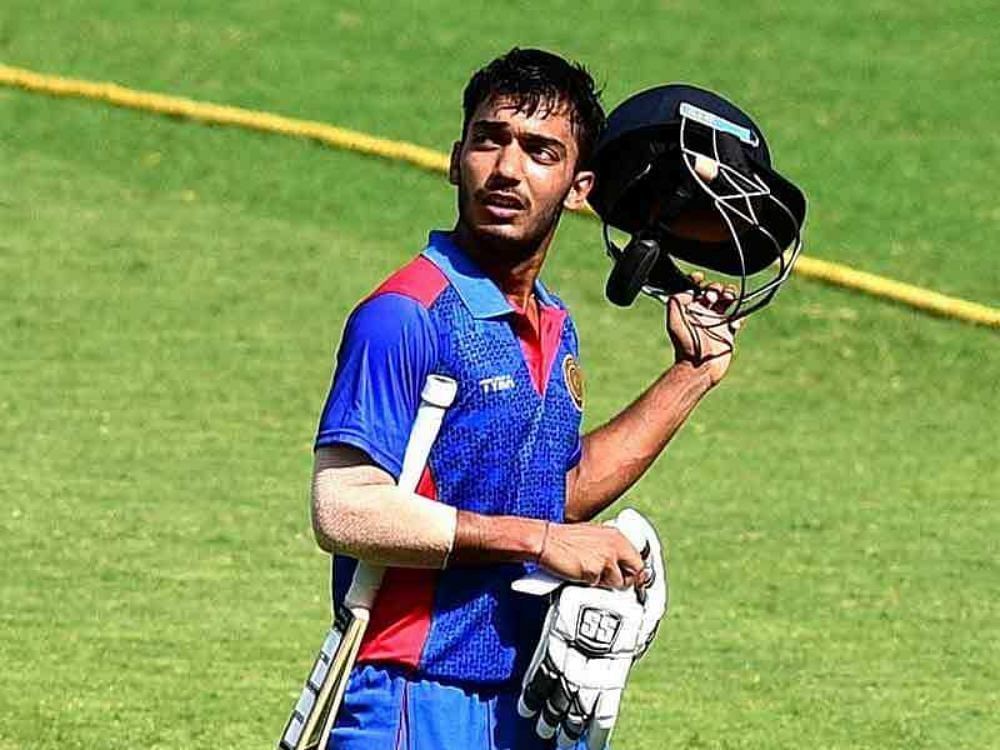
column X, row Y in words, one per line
column 535, row 139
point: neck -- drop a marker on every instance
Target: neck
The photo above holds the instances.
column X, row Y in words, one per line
column 513, row 269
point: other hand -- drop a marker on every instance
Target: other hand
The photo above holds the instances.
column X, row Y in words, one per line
column 698, row 329
column 592, row 554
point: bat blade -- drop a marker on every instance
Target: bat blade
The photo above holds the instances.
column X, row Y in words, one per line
column 351, row 646
column 309, row 723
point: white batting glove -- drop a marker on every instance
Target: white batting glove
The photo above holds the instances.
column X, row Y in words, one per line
column 589, row 641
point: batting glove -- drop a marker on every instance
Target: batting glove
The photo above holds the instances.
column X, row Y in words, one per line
column 590, row 639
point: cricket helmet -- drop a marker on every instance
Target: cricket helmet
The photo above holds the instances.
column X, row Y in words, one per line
column 688, row 176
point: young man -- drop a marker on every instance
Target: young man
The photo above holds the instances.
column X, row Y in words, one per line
column 510, row 482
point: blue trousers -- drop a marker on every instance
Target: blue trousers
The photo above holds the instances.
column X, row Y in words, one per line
column 384, row 709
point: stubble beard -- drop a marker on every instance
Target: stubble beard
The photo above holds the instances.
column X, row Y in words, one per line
column 503, row 246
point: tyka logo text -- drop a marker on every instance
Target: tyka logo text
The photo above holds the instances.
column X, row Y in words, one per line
column 496, row 384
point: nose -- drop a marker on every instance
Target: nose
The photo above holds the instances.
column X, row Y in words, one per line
column 507, row 167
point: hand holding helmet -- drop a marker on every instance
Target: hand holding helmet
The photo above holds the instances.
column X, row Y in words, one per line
column 692, row 316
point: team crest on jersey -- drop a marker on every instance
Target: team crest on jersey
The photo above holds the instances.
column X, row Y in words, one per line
column 573, row 377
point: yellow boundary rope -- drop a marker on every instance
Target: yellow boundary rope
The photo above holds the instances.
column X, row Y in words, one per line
column 434, row 161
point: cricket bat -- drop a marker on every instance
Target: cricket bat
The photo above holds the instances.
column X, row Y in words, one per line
column 315, row 712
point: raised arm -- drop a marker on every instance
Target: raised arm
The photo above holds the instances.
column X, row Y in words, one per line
column 616, row 454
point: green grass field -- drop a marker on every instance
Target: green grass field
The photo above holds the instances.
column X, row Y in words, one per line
column 172, row 295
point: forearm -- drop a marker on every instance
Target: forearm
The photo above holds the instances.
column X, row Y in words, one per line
column 618, row 453
column 481, row 540
column 357, row 512
column 382, row 524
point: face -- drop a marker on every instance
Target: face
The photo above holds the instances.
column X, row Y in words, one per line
column 515, row 174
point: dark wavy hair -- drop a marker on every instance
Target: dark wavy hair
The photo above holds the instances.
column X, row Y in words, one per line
column 535, row 80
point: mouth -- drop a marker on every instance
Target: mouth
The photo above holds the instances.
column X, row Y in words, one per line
column 504, row 205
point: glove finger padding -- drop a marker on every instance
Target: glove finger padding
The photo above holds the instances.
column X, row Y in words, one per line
column 605, row 716
column 541, row 675
column 537, row 688
column 555, row 709
column 587, row 649
column 575, row 724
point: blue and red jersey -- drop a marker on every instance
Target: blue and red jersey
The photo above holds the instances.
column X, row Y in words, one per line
column 504, row 449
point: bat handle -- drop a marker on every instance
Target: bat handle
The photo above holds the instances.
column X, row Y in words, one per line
column 437, row 395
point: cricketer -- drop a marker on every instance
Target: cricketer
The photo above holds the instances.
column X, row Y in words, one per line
column 511, row 484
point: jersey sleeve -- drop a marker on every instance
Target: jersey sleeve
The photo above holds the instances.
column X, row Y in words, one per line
column 388, row 349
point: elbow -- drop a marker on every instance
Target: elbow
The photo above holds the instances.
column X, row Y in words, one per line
column 574, row 510
column 573, row 507
column 323, row 529
column 323, row 540
column 341, row 501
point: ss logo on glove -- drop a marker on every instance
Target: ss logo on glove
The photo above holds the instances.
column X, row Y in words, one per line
column 597, row 629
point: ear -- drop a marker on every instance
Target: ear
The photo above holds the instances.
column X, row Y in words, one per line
column 456, row 156
column 583, row 183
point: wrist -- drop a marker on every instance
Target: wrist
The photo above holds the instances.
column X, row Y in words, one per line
column 541, row 546
column 483, row 539
column 698, row 377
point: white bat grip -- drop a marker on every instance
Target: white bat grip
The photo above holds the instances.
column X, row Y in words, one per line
column 435, row 398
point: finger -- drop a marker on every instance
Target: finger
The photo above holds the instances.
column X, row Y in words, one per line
column 717, row 286
column 634, row 577
column 544, row 729
column 581, row 714
column 613, row 577
column 605, row 716
column 568, row 737
column 629, row 558
column 572, row 729
column 644, row 577
column 710, row 294
column 697, row 278
column 729, row 294
column 717, row 298
column 629, row 577
column 574, row 724
column 704, row 301
column 722, row 305
column 683, row 299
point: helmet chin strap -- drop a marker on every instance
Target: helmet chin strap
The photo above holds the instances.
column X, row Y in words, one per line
column 634, row 262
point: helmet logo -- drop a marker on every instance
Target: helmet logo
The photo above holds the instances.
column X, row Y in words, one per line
column 719, row 123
